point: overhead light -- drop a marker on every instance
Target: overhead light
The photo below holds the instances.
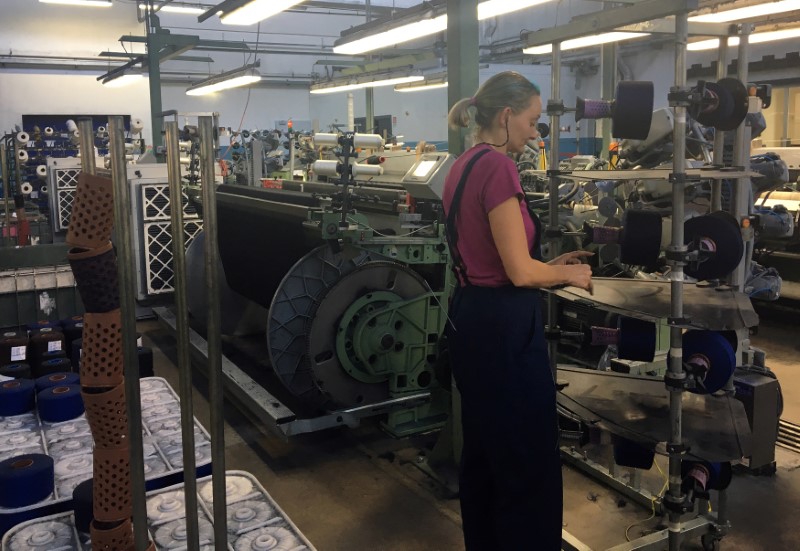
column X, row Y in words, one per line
column 397, row 35
column 123, row 79
column 427, row 26
column 177, row 9
column 257, row 10
column 230, row 79
column 357, row 83
column 755, row 38
column 430, row 82
column 493, row 8
column 584, row 41
column 87, row 3
column 748, row 12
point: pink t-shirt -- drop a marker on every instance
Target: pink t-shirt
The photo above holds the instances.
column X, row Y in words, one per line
column 493, row 179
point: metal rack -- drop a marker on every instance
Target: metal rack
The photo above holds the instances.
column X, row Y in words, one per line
column 650, row 14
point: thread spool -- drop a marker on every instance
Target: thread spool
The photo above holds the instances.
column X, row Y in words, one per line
column 23, row 138
column 17, row 397
column 322, row 139
column 26, row 188
column 17, row 371
column 22, row 156
column 82, row 505
column 73, row 332
column 43, row 189
column 59, row 403
column 41, row 171
column 249, row 514
column 326, row 168
column 75, row 354
column 46, row 340
column 101, row 130
column 40, row 325
column 367, row 170
column 269, row 537
column 53, row 365
column 713, row 358
column 13, row 347
column 48, row 131
column 145, row 355
column 71, row 126
column 57, row 379
column 137, row 125
column 25, row 480
column 172, row 535
column 371, row 141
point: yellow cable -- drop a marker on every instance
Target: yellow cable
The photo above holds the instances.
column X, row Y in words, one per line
column 652, row 502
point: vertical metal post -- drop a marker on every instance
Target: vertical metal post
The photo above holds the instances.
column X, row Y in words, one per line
column 86, row 131
column 6, row 192
column 216, row 402
column 608, row 71
column 552, row 226
column 182, row 335
column 741, row 200
column 127, row 293
column 676, row 373
column 462, row 61
column 154, row 77
column 719, row 135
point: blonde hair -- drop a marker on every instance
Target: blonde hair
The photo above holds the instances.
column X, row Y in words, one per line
column 506, row 89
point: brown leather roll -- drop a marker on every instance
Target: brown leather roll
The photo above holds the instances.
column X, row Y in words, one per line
column 101, row 360
column 116, row 538
column 107, row 417
column 92, row 216
column 111, row 486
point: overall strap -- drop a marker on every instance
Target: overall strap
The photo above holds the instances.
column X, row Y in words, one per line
column 451, row 230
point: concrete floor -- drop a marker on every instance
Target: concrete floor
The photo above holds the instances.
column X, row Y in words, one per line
column 362, row 490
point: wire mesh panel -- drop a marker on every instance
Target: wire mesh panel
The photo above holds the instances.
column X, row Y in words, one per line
column 67, row 178
column 158, row 253
column 156, row 204
column 65, row 198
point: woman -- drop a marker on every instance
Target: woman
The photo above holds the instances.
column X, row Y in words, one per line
column 510, row 473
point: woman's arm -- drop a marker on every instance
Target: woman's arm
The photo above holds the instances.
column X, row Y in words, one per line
column 508, row 232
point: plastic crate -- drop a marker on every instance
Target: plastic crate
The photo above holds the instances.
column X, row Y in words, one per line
column 255, row 521
column 70, row 445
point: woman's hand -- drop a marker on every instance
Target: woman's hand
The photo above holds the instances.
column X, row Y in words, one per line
column 579, row 275
column 575, row 257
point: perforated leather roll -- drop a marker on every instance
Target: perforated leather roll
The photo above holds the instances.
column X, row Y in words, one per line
column 101, row 361
column 107, row 417
column 92, row 214
column 95, row 272
column 118, row 538
column 111, row 490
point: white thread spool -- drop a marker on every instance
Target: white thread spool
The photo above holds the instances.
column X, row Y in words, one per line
column 23, row 137
column 137, row 125
column 22, row 156
column 76, row 133
column 43, row 189
column 26, row 188
column 48, row 131
column 325, row 168
column 372, row 141
column 129, row 147
column 367, row 170
column 71, row 126
column 41, row 171
column 323, row 139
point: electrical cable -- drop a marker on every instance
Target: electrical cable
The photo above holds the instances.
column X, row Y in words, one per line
column 652, row 502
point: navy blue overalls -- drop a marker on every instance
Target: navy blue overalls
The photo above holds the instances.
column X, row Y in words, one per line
column 510, row 472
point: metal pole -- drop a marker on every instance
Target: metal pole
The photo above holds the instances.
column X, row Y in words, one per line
column 719, row 135
column 182, row 335
column 127, row 293
column 216, row 402
column 552, row 226
column 608, row 70
column 154, row 78
column 86, row 130
column 676, row 373
column 6, row 192
column 741, row 202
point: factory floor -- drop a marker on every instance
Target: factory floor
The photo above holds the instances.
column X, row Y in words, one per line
column 359, row 489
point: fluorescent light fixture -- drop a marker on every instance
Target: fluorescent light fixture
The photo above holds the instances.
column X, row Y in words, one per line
column 257, row 10
column 123, row 79
column 755, row 38
column 748, row 12
column 230, row 79
column 355, row 84
column 585, row 41
column 397, row 35
column 177, row 9
column 87, row 3
column 431, row 82
column 428, row 26
column 493, row 8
